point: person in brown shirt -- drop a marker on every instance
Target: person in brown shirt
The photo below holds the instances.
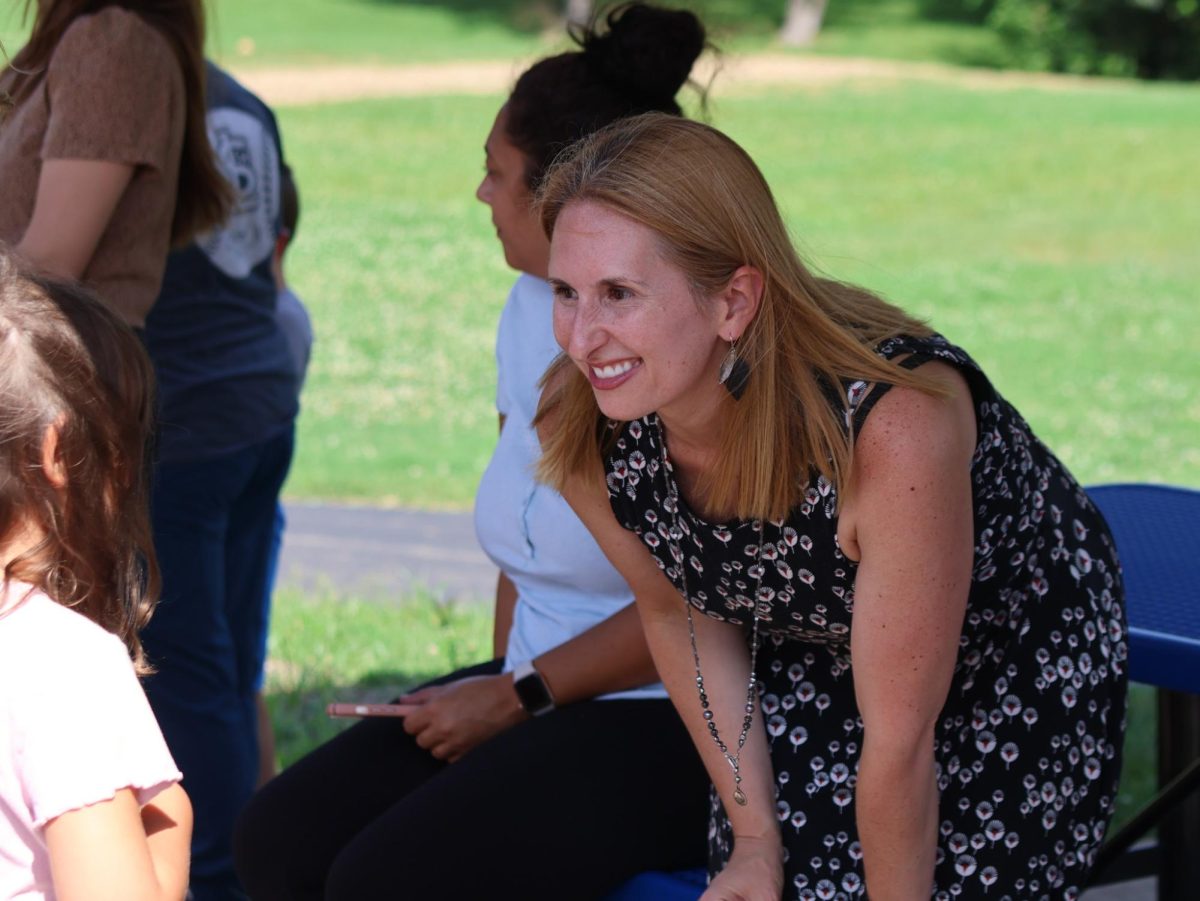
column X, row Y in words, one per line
column 103, row 151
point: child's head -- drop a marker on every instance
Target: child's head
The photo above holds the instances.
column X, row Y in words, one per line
column 289, row 218
column 76, row 404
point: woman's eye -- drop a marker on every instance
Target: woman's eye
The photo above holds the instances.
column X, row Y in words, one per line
column 562, row 292
column 616, row 292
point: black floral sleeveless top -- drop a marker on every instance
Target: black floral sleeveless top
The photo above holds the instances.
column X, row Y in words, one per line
column 1028, row 746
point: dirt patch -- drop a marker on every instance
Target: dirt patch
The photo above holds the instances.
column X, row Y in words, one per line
column 301, row 85
column 294, row 86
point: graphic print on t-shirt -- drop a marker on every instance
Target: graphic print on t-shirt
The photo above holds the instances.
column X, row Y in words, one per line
column 249, row 159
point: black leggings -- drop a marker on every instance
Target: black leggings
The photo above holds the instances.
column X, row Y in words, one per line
column 563, row 806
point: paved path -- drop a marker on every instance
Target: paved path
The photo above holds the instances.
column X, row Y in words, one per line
column 378, row 554
column 383, row 555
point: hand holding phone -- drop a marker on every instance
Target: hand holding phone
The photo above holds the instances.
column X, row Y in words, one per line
column 345, row 709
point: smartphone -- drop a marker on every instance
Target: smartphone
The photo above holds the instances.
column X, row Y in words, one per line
column 342, row 709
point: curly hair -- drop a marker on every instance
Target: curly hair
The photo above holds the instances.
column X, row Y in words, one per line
column 68, row 364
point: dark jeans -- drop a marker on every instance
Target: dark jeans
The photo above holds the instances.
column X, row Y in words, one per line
column 213, row 526
column 563, row 806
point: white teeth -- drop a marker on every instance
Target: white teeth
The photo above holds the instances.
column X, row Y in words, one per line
column 609, row 372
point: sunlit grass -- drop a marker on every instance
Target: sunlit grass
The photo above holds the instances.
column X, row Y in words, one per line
column 324, row 649
column 247, row 33
column 1049, row 232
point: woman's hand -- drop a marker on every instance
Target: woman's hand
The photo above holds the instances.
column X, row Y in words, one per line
column 754, row 872
column 450, row 720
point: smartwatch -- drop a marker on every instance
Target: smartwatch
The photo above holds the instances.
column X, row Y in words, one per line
column 532, row 690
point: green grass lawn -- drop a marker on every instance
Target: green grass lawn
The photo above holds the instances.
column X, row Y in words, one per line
column 267, row 32
column 323, row 650
column 1050, row 232
column 275, row 32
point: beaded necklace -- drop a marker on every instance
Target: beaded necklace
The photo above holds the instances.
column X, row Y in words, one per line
column 675, row 541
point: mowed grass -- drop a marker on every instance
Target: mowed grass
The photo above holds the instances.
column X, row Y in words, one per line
column 271, row 32
column 389, row 32
column 1049, row 232
column 323, row 649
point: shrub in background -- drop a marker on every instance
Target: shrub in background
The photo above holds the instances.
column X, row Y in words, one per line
column 957, row 10
column 1142, row 38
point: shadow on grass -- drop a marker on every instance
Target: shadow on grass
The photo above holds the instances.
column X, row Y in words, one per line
column 933, row 29
column 298, row 712
column 944, row 30
column 1139, row 767
column 536, row 16
column 521, row 16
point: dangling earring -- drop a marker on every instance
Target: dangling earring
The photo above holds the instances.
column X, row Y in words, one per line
column 734, row 372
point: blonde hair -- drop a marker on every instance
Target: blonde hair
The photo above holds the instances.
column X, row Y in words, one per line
column 68, row 362
column 713, row 212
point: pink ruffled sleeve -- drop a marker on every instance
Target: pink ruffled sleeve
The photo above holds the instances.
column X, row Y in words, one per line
column 87, row 731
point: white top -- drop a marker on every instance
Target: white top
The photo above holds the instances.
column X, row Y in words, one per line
column 75, row 727
column 565, row 585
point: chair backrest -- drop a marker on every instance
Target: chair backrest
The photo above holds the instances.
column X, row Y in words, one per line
column 1157, row 531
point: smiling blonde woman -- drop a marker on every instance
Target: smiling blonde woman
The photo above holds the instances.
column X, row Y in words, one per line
column 558, row 769
column 890, row 618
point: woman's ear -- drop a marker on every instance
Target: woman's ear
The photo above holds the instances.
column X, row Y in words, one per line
column 52, row 464
column 742, row 297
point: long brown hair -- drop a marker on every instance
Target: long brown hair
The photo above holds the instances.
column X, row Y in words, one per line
column 713, row 212
column 68, row 363
column 204, row 196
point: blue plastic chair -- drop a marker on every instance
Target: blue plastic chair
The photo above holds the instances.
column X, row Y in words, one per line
column 684, row 885
column 1157, row 531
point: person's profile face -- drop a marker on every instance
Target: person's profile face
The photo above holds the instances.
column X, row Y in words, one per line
column 504, row 189
column 628, row 319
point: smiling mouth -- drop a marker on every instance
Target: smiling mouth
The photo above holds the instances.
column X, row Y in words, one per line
column 613, row 370
column 611, row 375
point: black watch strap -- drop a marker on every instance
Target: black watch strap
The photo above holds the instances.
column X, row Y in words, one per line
column 532, row 690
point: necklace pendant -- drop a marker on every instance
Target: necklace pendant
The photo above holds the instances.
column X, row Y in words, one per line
column 740, row 797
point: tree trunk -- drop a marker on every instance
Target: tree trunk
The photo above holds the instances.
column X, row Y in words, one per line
column 803, row 22
column 579, row 12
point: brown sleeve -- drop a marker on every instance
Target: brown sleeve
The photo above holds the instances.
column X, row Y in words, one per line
column 112, row 85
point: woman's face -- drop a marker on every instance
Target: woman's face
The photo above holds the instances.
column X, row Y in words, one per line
column 504, row 190
column 629, row 320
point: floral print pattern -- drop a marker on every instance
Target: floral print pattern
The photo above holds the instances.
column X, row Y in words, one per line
column 1028, row 744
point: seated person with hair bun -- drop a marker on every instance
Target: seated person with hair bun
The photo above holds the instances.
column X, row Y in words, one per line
column 559, row 769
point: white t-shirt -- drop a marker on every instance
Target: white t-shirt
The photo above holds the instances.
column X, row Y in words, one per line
column 75, row 727
column 564, row 583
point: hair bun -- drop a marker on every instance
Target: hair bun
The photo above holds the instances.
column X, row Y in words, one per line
column 647, row 52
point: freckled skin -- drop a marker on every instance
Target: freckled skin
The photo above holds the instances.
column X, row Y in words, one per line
column 618, row 301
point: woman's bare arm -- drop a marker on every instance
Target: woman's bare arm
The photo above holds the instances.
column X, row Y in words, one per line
column 74, row 203
column 755, row 871
column 910, row 521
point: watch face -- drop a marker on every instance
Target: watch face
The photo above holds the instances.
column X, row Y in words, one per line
column 532, row 693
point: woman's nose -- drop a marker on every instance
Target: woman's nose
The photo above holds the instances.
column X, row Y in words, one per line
column 571, row 330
